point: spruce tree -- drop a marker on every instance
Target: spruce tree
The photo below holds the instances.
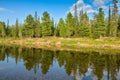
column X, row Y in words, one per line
column 52, row 26
column 28, row 29
column 16, row 28
column 8, row 29
column 69, row 25
column 61, row 28
column 56, row 31
column 46, row 25
column 2, row 29
column 118, row 29
column 37, row 26
column 114, row 23
column 84, row 27
column 76, row 22
column 100, row 27
column 109, row 20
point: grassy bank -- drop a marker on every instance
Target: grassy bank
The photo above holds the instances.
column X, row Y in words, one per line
column 64, row 43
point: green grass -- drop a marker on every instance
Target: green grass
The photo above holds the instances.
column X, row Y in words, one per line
column 65, row 43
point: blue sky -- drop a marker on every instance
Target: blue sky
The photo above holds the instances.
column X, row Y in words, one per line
column 12, row 9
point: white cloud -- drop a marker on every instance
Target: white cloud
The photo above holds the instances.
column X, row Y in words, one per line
column 100, row 3
column 82, row 6
column 5, row 10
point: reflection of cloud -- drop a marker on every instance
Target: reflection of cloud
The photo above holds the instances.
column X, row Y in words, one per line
column 87, row 76
column 5, row 10
column 1, row 68
column 82, row 6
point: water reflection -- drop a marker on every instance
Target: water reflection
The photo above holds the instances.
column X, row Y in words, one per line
column 39, row 64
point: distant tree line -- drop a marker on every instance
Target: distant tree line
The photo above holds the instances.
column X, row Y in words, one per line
column 72, row 26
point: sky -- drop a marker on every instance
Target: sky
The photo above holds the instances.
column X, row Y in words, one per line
column 19, row 9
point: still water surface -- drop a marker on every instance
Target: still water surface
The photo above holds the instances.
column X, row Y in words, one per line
column 17, row 63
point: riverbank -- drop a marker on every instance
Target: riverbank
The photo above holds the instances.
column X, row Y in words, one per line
column 56, row 43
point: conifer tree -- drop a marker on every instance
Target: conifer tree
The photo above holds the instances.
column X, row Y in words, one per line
column 61, row 28
column 37, row 26
column 7, row 29
column 100, row 27
column 17, row 29
column 114, row 23
column 118, row 29
column 84, row 27
column 28, row 29
column 46, row 25
column 109, row 20
column 2, row 29
column 69, row 25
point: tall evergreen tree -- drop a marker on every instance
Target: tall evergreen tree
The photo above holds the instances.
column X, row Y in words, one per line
column 109, row 20
column 17, row 28
column 46, row 25
column 100, row 27
column 7, row 29
column 69, row 25
column 56, row 31
column 52, row 26
column 2, row 29
column 76, row 22
column 37, row 26
column 20, row 31
column 61, row 28
column 118, row 29
column 28, row 29
column 114, row 22
column 84, row 27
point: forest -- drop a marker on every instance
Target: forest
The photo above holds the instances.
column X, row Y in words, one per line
column 73, row 25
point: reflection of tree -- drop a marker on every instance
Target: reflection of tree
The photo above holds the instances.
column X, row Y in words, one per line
column 46, row 61
column 83, row 61
column 61, row 58
column 31, row 58
column 113, row 67
column 70, row 62
column 99, row 64
column 75, row 63
column 2, row 53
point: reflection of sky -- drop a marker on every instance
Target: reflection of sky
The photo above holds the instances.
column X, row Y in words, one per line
column 12, row 71
column 105, row 76
column 118, row 75
column 90, row 76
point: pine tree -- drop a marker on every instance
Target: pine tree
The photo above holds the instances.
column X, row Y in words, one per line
column 61, row 28
column 38, row 29
column 100, row 27
column 118, row 29
column 69, row 25
column 13, row 31
column 20, row 31
column 37, row 26
column 28, row 29
column 2, row 29
column 114, row 22
column 109, row 20
column 46, row 25
column 17, row 29
column 84, row 27
column 56, row 31
column 52, row 26
column 76, row 22
column 7, row 29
